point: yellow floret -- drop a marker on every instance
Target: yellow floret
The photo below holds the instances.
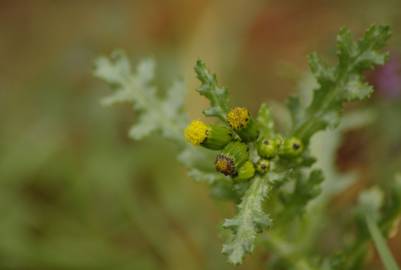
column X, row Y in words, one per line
column 196, row 132
column 225, row 165
column 222, row 165
column 238, row 117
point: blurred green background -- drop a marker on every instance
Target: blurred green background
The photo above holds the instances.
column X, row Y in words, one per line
column 76, row 193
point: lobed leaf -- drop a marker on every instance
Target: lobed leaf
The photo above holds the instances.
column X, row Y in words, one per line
column 250, row 220
column 155, row 113
column 342, row 82
column 218, row 96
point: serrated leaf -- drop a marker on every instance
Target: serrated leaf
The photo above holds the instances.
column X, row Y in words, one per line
column 323, row 74
column 307, row 187
column 114, row 69
column 146, row 124
column 250, row 220
column 356, row 89
column 374, row 39
column 218, row 96
column 346, row 48
column 155, row 114
column 342, row 82
column 295, row 108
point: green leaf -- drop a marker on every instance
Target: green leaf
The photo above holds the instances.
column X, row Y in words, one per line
column 250, row 220
column 356, row 89
column 324, row 75
column 265, row 120
column 342, row 82
column 295, row 108
column 218, row 96
column 309, row 188
column 155, row 113
column 306, row 188
column 115, row 69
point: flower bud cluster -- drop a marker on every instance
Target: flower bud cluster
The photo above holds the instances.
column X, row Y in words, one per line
column 232, row 139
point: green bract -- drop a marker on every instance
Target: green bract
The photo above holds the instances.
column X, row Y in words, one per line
column 292, row 182
column 218, row 136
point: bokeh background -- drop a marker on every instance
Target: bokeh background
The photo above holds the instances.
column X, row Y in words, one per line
column 76, row 193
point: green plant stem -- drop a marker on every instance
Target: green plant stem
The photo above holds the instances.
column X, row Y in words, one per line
column 380, row 243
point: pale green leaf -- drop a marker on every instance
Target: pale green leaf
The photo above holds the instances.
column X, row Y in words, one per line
column 250, row 220
column 218, row 96
column 155, row 113
column 356, row 89
column 342, row 82
column 265, row 120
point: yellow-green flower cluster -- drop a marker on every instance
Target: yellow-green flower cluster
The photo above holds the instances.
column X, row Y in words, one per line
column 232, row 139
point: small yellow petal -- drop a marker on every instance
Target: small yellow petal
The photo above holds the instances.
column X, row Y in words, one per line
column 238, row 117
column 196, row 132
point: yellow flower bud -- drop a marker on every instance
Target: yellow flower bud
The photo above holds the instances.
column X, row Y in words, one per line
column 240, row 120
column 214, row 137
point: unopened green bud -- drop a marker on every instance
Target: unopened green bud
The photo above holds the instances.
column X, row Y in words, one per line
column 242, row 122
column 263, row 166
column 292, row 147
column 246, row 171
column 209, row 136
column 233, row 156
column 218, row 137
column 268, row 148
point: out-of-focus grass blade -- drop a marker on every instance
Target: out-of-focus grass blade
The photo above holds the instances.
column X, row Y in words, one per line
column 380, row 243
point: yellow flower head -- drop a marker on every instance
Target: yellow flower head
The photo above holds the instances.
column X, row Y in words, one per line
column 238, row 117
column 196, row 132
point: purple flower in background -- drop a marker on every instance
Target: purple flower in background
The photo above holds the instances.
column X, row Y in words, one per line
column 387, row 78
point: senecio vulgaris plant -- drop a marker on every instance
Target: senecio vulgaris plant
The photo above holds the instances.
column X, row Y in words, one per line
column 270, row 175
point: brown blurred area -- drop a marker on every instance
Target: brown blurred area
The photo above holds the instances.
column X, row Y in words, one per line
column 73, row 185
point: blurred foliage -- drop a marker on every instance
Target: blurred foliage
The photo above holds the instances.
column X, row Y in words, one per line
column 75, row 193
